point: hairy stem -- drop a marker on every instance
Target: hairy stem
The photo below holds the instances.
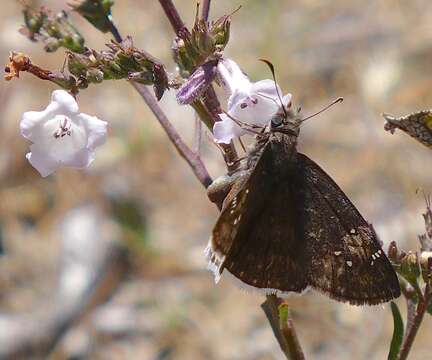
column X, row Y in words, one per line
column 414, row 322
column 205, row 10
column 172, row 15
column 115, row 33
column 210, row 99
column 192, row 158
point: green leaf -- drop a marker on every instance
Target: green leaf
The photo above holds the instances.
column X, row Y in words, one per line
column 283, row 315
column 398, row 332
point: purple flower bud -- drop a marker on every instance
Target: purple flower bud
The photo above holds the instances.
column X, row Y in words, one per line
column 197, row 83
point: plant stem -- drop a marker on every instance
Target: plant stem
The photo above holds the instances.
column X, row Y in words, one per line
column 198, row 134
column 284, row 331
column 192, row 158
column 211, row 101
column 414, row 323
column 172, row 15
column 205, row 10
column 115, row 33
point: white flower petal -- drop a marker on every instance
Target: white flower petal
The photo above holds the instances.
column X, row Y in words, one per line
column 61, row 136
column 226, row 129
column 232, row 77
column 30, row 120
column 237, row 98
column 96, row 130
column 63, row 102
column 42, row 163
column 249, row 103
column 81, row 159
column 266, row 87
column 255, row 110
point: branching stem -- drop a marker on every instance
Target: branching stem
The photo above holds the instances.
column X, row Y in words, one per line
column 413, row 323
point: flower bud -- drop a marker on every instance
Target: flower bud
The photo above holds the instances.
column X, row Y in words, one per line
column 142, row 77
column 160, row 80
column 95, row 76
column 33, row 22
column 410, row 267
column 78, row 63
column 197, row 83
column 393, row 252
column 54, row 31
column 63, row 80
column 425, row 260
column 221, row 31
column 96, row 12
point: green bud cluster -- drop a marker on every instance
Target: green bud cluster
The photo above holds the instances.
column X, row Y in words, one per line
column 205, row 42
column 96, row 12
column 54, row 31
column 120, row 61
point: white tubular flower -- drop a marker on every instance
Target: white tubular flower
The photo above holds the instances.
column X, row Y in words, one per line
column 250, row 103
column 62, row 136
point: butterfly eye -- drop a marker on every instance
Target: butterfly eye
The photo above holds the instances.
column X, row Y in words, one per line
column 276, row 121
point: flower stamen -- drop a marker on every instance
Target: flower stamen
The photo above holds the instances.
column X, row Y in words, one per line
column 65, row 126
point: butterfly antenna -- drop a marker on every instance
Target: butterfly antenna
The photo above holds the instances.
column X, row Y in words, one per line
column 270, row 65
column 338, row 100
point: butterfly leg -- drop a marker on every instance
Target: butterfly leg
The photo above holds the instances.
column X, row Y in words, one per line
column 221, row 186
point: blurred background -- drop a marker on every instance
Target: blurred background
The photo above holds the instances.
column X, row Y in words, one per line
column 110, row 260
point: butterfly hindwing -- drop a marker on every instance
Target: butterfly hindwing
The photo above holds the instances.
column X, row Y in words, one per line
column 347, row 261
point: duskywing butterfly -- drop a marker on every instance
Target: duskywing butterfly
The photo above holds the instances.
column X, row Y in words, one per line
column 285, row 225
column 418, row 125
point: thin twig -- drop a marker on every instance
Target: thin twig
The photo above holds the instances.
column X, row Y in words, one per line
column 205, row 10
column 115, row 33
column 185, row 152
column 198, row 134
column 191, row 158
column 172, row 15
column 284, row 331
column 210, row 99
column 414, row 324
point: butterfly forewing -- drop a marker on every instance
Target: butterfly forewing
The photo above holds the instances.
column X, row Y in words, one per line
column 255, row 242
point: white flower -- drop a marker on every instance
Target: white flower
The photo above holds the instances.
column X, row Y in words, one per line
column 62, row 136
column 250, row 103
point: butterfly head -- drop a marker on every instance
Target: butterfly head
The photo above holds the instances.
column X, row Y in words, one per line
column 287, row 120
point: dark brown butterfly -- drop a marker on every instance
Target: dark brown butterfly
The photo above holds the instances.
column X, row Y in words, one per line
column 286, row 225
column 418, row 125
